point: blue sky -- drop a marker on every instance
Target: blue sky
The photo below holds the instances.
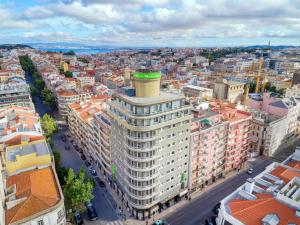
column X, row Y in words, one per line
column 181, row 23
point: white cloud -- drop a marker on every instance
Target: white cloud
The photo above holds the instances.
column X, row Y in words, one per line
column 165, row 21
column 7, row 21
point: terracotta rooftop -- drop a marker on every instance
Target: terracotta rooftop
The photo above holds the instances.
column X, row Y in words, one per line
column 67, row 93
column 251, row 212
column 40, row 190
column 16, row 140
column 286, row 174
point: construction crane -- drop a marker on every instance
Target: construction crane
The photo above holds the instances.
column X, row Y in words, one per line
column 258, row 77
column 264, row 84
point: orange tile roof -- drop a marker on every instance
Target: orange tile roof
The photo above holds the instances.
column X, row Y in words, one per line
column 295, row 165
column 284, row 173
column 40, row 189
column 67, row 93
column 17, row 139
column 251, row 212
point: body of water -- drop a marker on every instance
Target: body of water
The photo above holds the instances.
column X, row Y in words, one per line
column 78, row 51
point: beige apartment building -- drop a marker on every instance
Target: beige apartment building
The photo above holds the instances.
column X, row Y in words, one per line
column 230, row 91
column 150, row 146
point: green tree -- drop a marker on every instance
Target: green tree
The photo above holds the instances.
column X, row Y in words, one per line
column 281, row 91
column 68, row 74
column 84, row 60
column 33, row 90
column 48, row 98
column 61, row 171
column 77, row 190
column 71, row 52
column 39, row 84
column 49, row 126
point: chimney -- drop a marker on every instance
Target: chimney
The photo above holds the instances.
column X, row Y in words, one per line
column 147, row 84
column 249, row 185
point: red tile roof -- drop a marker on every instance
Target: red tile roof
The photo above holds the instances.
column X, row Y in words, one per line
column 40, row 190
column 251, row 212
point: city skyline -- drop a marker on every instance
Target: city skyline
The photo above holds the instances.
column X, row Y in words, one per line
column 189, row 23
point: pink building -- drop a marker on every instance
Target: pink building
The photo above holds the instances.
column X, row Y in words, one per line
column 269, row 103
column 219, row 143
column 238, row 131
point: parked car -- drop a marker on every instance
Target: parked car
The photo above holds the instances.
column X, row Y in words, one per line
column 83, row 157
column 250, row 171
column 91, row 211
column 87, row 164
column 63, row 138
column 67, row 147
column 93, row 172
column 100, row 182
column 77, row 219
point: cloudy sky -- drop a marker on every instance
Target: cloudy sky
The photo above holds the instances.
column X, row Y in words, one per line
column 151, row 22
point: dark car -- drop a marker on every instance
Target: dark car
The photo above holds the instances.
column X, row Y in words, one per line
column 100, row 182
column 216, row 208
column 83, row 157
column 87, row 164
column 91, row 211
column 77, row 219
column 63, row 138
column 67, row 147
column 160, row 222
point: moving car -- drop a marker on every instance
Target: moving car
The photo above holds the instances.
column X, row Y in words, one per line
column 77, row 219
column 250, row 171
column 91, row 211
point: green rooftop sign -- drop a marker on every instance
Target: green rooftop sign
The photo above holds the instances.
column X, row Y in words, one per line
column 150, row 75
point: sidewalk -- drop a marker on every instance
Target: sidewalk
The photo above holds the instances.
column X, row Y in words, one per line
column 130, row 220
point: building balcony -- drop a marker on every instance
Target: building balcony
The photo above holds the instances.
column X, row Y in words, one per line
column 142, row 178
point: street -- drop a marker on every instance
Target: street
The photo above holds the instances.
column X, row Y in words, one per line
column 200, row 208
column 103, row 201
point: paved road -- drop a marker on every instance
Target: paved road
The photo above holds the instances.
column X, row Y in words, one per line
column 103, row 202
column 38, row 103
column 200, row 208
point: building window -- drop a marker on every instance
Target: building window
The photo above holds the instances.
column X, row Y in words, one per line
column 41, row 222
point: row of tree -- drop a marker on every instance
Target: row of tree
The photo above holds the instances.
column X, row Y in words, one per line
column 38, row 88
column 268, row 88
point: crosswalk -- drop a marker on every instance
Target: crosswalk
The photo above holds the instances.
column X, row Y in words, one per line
column 118, row 222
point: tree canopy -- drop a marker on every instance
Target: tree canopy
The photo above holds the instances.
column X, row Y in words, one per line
column 49, row 126
column 48, row 98
column 77, row 189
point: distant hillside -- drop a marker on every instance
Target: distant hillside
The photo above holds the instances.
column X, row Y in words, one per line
column 14, row 46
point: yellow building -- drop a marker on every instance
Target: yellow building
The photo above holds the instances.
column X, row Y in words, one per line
column 64, row 66
column 21, row 152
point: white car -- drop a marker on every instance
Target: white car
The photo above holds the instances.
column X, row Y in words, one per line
column 250, row 171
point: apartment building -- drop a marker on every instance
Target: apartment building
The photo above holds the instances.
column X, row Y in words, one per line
column 207, row 148
column 271, row 198
column 150, row 145
column 102, row 137
column 196, row 91
column 29, row 189
column 64, row 98
column 239, row 123
column 288, row 107
column 81, row 125
column 227, row 90
column 15, row 93
column 268, row 133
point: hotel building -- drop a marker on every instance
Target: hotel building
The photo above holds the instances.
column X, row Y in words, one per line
column 150, row 145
